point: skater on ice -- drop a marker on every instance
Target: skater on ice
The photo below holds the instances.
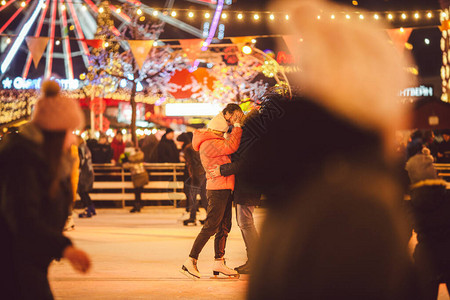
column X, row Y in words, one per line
column 215, row 150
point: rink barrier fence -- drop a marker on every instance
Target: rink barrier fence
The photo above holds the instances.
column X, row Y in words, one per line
column 113, row 183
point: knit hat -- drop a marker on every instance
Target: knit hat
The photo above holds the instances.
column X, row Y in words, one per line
column 218, row 123
column 54, row 112
column 348, row 66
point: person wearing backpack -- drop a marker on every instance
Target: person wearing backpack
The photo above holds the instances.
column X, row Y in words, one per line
column 86, row 179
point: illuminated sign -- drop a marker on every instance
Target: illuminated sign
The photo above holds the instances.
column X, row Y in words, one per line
column 20, row 83
column 192, row 109
column 421, row 91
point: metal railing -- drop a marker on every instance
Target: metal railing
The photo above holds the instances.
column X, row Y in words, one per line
column 113, row 183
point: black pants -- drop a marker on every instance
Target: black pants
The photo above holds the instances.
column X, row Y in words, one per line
column 137, row 197
column 218, row 222
column 85, row 199
column 193, row 203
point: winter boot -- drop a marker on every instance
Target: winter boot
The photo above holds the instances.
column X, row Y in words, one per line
column 135, row 209
column 189, row 268
column 244, row 269
column 85, row 214
column 189, row 221
column 220, row 267
column 91, row 209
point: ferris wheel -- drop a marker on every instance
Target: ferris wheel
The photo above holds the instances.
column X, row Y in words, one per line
column 67, row 26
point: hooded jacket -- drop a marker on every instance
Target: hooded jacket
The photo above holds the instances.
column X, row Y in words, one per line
column 215, row 150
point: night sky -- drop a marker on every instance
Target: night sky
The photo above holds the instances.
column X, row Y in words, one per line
column 427, row 56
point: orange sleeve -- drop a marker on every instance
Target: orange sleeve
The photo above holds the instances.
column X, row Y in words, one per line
column 74, row 176
column 227, row 146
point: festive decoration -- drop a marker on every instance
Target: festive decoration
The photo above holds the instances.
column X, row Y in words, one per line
column 140, row 50
column 191, row 48
column 37, row 47
column 445, row 47
column 399, row 37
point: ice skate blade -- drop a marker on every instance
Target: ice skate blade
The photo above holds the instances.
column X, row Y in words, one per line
column 186, row 273
column 228, row 277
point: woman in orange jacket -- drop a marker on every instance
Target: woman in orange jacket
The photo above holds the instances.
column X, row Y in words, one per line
column 215, row 150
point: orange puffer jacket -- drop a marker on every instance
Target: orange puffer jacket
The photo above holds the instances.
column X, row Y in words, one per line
column 215, row 150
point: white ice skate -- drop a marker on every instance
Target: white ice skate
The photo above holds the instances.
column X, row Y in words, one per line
column 189, row 268
column 220, row 267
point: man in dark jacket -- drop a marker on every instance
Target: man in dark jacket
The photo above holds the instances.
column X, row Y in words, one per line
column 167, row 150
column 101, row 151
column 244, row 197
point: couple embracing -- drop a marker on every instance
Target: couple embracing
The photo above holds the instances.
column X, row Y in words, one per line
column 215, row 150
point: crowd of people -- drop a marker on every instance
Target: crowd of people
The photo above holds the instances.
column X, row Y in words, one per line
column 338, row 222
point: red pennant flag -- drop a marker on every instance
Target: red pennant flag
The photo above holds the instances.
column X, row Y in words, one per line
column 399, row 37
column 191, row 48
column 94, row 43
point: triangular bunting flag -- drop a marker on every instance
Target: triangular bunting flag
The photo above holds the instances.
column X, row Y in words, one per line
column 94, row 43
column 238, row 40
column 399, row 37
column 192, row 48
column 140, row 50
column 292, row 42
column 37, row 47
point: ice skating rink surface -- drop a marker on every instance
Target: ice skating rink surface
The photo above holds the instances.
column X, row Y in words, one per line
column 138, row 256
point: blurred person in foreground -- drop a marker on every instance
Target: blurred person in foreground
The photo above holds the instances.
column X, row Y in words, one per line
column 214, row 150
column 334, row 228
column 36, row 195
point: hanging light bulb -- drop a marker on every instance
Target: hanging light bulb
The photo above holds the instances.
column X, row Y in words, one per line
column 272, row 17
column 101, row 10
column 239, row 16
column 139, row 12
column 207, row 15
column 173, row 14
column 376, row 16
column 190, row 14
column 247, row 49
column 404, row 16
column 256, row 17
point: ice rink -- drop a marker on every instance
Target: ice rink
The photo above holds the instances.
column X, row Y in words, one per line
column 138, row 256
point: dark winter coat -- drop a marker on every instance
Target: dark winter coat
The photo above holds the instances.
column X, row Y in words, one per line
column 430, row 204
column 31, row 221
column 334, row 229
column 243, row 194
column 168, row 151
column 444, row 149
column 101, row 153
column 86, row 178
column 194, row 166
